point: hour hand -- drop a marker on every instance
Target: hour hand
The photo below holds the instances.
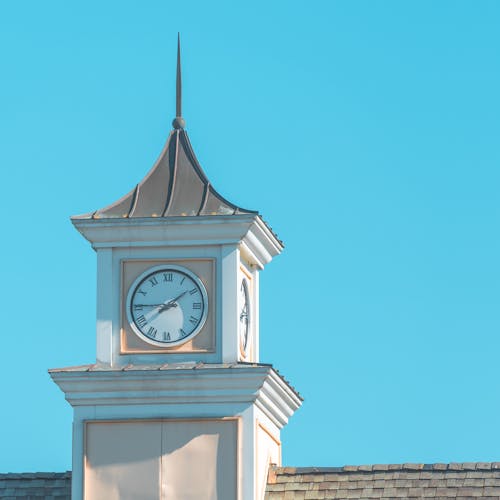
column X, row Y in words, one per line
column 173, row 302
column 167, row 306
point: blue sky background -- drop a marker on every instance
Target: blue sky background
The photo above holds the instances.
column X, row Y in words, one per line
column 365, row 132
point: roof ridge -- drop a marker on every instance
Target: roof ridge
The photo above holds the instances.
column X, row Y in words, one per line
column 34, row 475
column 407, row 467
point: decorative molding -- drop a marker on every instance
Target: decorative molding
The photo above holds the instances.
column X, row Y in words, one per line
column 260, row 241
column 198, row 385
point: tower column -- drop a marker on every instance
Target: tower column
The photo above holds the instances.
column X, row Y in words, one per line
column 176, row 405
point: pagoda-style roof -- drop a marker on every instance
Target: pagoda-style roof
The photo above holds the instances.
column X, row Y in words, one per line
column 175, row 186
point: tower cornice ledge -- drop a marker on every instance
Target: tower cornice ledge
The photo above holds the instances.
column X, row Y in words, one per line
column 207, row 385
column 248, row 229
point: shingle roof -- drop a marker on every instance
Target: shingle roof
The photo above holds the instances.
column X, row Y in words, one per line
column 454, row 480
column 36, row 485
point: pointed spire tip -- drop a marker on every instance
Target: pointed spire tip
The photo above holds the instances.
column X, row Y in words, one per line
column 178, row 122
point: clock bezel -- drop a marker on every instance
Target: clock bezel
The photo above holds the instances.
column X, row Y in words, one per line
column 146, row 274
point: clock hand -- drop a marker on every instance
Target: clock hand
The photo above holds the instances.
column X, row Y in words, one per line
column 244, row 314
column 149, row 305
column 166, row 307
column 178, row 296
column 173, row 302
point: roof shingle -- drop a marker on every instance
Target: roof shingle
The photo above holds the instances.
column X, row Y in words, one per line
column 454, row 480
column 379, row 481
column 36, row 485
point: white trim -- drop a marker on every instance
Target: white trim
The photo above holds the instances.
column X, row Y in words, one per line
column 259, row 385
column 261, row 243
column 106, row 298
column 230, row 262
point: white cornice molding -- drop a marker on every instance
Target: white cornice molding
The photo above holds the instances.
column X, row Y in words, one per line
column 259, row 385
column 261, row 243
column 249, row 230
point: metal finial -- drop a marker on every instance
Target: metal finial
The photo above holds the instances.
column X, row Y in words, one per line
column 178, row 120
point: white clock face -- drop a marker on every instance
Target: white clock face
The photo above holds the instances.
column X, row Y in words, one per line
column 167, row 305
column 244, row 316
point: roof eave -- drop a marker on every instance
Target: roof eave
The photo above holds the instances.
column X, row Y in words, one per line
column 170, row 385
column 246, row 229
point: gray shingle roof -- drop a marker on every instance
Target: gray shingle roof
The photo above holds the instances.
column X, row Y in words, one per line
column 454, row 480
column 36, row 485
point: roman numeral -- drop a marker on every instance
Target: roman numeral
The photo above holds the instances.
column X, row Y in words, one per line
column 138, row 307
column 141, row 292
column 182, row 280
column 166, row 336
column 141, row 320
column 193, row 291
column 193, row 320
column 182, row 332
column 152, row 332
column 196, row 305
column 168, row 276
column 153, row 281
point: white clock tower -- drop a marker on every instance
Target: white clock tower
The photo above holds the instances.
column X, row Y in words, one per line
column 177, row 405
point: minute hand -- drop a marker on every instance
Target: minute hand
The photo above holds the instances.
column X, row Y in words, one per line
column 149, row 305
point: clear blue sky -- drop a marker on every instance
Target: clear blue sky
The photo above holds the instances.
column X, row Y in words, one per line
column 365, row 132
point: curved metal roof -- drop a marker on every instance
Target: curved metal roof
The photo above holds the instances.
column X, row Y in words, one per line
column 175, row 186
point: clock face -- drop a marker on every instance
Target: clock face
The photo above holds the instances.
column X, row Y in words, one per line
column 244, row 316
column 167, row 305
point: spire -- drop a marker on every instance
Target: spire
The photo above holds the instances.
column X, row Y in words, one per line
column 178, row 95
column 178, row 120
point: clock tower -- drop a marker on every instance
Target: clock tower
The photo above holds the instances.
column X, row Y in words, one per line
column 177, row 405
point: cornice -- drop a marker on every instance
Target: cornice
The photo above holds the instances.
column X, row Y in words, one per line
column 253, row 384
column 261, row 243
column 249, row 230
